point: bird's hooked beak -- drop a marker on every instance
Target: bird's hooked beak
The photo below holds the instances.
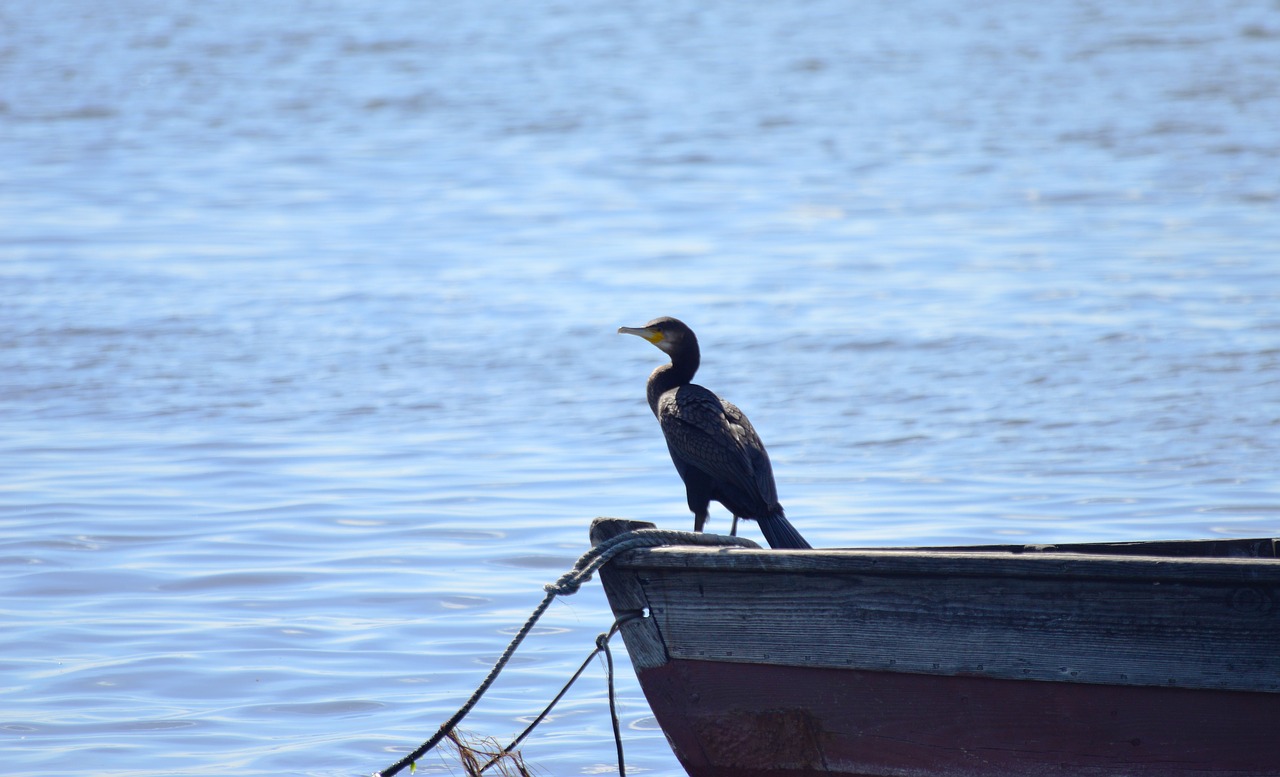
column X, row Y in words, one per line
column 652, row 334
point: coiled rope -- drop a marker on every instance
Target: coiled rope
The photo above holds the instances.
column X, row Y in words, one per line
column 567, row 585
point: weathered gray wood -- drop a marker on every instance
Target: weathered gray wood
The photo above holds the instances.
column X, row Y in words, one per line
column 603, row 529
column 945, row 562
column 1223, row 548
column 1083, row 631
column 626, row 595
column 1184, row 622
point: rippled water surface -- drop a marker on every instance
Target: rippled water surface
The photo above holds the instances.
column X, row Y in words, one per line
column 307, row 330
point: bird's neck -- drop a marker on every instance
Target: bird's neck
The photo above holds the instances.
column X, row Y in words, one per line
column 678, row 373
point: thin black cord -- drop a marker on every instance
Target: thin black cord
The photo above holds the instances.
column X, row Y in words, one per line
column 602, row 645
column 613, row 704
column 453, row 722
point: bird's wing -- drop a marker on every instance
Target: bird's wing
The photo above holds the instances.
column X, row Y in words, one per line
column 704, row 433
column 750, row 442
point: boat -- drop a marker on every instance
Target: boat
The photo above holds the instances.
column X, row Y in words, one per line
column 1140, row 659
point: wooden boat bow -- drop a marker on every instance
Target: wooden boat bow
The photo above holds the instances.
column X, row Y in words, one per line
column 1120, row 658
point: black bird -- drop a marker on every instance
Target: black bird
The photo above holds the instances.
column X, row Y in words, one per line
column 715, row 450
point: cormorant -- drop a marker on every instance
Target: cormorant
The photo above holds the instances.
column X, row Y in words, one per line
column 716, row 451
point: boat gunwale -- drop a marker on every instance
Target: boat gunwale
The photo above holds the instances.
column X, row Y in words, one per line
column 1058, row 563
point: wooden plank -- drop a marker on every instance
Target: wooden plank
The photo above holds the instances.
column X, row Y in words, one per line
column 1144, row 632
column 947, row 563
column 626, row 596
column 1221, row 548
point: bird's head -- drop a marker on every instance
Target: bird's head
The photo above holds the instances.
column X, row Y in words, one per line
column 667, row 333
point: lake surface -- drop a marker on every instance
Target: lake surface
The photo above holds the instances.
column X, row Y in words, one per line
column 308, row 361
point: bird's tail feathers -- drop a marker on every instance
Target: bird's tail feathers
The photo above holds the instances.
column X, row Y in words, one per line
column 780, row 533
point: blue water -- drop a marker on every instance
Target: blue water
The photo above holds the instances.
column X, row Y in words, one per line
column 308, row 362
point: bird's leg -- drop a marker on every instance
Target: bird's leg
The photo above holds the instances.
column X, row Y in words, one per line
column 699, row 520
column 733, row 530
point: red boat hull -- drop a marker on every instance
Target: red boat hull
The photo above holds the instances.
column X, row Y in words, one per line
column 823, row 721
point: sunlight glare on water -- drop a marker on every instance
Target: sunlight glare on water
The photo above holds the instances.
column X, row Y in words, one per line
column 308, row 322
